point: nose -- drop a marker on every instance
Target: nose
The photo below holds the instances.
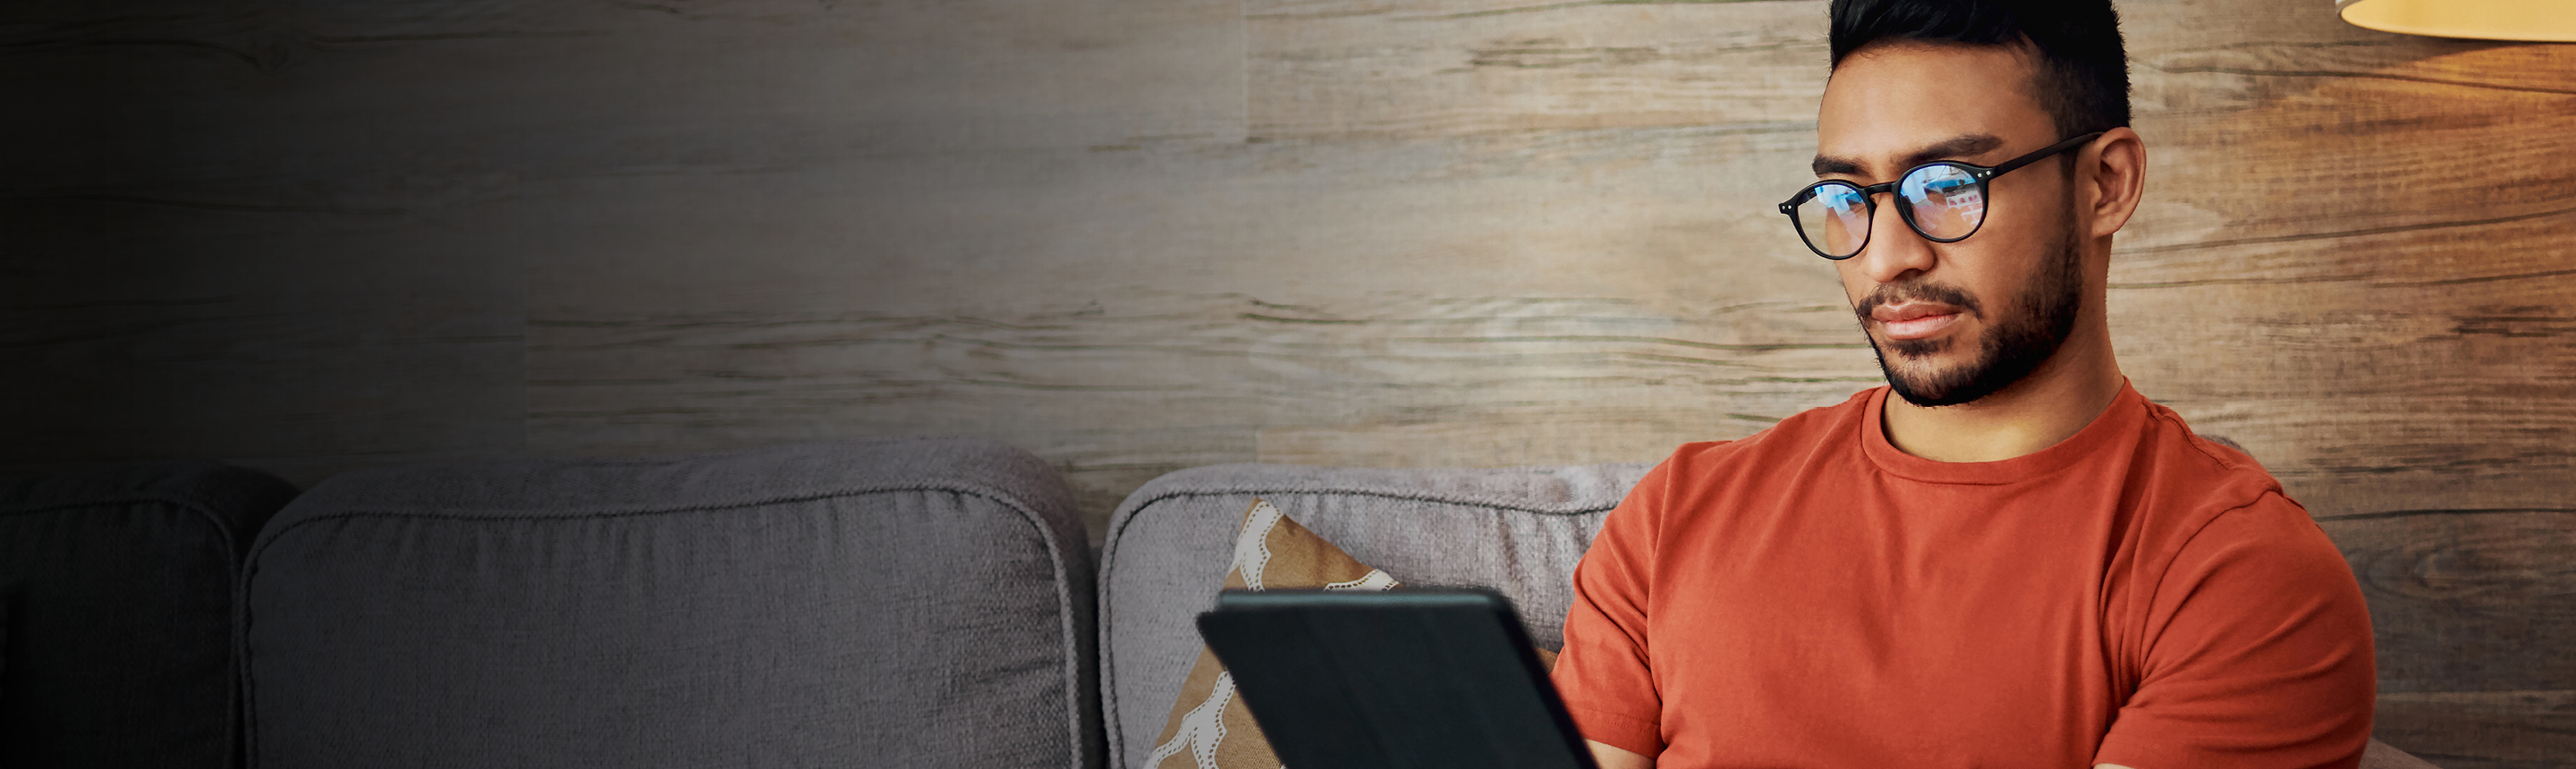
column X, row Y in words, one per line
column 1894, row 248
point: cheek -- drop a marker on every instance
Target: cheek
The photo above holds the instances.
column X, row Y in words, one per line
column 1855, row 284
column 1990, row 275
column 2031, row 215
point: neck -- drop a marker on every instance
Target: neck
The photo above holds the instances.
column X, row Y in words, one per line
column 2050, row 405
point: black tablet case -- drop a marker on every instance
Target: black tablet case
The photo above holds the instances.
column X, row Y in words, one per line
column 1400, row 679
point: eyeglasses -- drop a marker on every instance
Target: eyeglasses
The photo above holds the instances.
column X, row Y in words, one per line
column 1944, row 201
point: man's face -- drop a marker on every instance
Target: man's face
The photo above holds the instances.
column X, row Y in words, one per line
column 1954, row 322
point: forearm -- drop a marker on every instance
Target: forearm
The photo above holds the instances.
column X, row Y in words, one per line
column 1609, row 757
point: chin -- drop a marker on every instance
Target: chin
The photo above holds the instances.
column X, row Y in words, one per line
column 1918, row 352
column 1921, row 391
column 1935, row 372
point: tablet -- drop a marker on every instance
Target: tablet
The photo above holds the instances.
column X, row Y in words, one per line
column 1410, row 678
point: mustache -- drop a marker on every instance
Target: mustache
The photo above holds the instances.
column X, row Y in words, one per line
column 1917, row 290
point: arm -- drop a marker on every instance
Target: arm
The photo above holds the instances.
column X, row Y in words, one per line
column 1609, row 757
column 2257, row 652
column 1604, row 673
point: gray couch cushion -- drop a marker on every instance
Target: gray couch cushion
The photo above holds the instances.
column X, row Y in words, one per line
column 911, row 602
column 119, row 588
column 1516, row 530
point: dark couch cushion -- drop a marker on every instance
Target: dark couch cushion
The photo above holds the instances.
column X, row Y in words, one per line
column 886, row 603
column 119, row 585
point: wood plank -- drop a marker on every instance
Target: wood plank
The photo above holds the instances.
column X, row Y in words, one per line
column 2466, row 600
column 2360, row 157
column 1120, row 363
column 2281, row 67
column 2402, row 319
column 2481, row 730
column 1596, row 210
column 1447, row 67
column 1163, row 382
column 2471, row 610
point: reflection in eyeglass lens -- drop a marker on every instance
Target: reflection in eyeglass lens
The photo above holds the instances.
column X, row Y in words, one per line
column 1945, row 200
column 1837, row 218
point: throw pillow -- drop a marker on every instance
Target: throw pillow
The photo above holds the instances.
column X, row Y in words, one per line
column 1209, row 727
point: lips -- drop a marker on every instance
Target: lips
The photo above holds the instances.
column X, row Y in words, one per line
column 1915, row 320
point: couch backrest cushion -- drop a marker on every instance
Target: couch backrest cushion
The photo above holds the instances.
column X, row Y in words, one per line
column 119, row 583
column 1516, row 530
column 884, row 603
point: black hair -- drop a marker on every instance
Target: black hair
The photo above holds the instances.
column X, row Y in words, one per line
column 2083, row 77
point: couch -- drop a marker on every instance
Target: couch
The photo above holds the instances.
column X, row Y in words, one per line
column 116, row 596
column 905, row 602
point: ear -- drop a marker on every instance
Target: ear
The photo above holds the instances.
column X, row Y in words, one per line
column 2117, row 178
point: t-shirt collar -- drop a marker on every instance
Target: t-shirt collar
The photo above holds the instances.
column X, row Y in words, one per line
column 2120, row 422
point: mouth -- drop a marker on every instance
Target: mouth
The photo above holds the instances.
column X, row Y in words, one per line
column 1915, row 320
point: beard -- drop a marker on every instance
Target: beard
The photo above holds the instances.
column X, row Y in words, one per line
column 2042, row 317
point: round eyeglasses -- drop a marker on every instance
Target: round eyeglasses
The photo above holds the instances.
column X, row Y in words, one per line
column 1944, row 201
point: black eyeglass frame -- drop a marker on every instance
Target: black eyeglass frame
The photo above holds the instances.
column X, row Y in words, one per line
column 1869, row 195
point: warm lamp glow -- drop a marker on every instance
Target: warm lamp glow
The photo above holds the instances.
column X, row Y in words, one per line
column 2542, row 20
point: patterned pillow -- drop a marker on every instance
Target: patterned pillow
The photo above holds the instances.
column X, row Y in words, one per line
column 1209, row 727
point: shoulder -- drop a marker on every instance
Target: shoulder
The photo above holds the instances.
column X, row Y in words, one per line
column 2220, row 510
column 2272, row 534
column 2219, row 454
column 2182, row 471
column 2271, row 530
column 2255, row 577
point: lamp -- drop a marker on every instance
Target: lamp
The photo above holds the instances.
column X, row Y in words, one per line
column 2539, row 20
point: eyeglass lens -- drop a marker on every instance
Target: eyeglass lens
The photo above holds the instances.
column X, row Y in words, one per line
column 1945, row 202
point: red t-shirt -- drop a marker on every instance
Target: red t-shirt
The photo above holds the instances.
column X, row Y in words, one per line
column 1811, row 596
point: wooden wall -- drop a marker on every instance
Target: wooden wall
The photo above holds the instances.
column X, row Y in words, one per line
column 1140, row 235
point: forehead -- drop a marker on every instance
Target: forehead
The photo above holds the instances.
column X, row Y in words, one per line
column 1887, row 100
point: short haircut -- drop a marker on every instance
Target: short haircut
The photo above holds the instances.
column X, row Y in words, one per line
column 2083, row 69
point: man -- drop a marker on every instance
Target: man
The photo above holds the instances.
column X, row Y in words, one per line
column 2016, row 560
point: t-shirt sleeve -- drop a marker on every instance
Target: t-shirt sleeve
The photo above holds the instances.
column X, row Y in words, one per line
column 2257, row 652
column 1603, row 674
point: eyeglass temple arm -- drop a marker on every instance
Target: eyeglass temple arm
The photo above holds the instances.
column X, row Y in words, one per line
column 1790, row 206
column 2043, row 154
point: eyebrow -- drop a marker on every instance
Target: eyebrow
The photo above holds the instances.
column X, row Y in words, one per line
column 1963, row 145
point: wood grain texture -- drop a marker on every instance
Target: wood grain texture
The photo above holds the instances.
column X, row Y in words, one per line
column 2481, row 730
column 1431, row 68
column 2472, row 609
column 1394, row 379
column 2467, row 600
column 1141, row 236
